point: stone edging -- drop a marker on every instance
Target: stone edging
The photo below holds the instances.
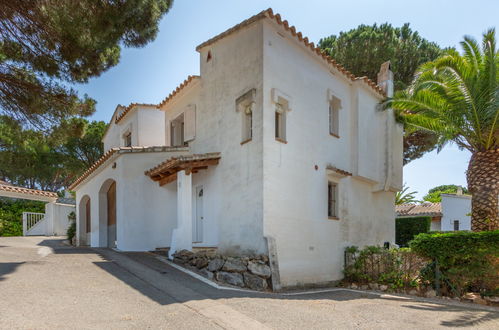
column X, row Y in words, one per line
column 251, row 272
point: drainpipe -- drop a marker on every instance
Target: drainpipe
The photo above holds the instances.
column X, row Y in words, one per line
column 385, row 81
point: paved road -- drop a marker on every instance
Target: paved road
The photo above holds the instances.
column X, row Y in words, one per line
column 46, row 285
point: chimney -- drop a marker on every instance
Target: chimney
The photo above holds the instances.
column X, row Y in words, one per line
column 459, row 191
column 385, row 78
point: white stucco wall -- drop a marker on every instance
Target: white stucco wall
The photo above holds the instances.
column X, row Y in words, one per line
column 234, row 187
column 146, row 124
column 456, row 207
column 145, row 212
column 56, row 215
column 310, row 246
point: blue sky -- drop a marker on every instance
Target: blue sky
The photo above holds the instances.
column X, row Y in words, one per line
column 150, row 73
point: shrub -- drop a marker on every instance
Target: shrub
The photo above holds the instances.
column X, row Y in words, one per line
column 398, row 268
column 465, row 260
column 71, row 232
column 407, row 228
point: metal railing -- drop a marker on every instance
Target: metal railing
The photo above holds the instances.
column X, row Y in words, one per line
column 30, row 219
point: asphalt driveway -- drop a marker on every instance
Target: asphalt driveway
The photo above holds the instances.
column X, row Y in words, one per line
column 47, row 285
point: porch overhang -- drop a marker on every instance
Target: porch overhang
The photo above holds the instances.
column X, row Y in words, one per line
column 166, row 172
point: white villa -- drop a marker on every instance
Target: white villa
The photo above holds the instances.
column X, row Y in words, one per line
column 273, row 149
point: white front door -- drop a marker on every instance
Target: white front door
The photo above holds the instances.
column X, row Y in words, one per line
column 197, row 226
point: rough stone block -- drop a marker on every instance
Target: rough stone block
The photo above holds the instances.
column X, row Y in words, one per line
column 215, row 265
column 201, row 263
column 255, row 282
column 230, row 278
column 234, row 265
column 259, row 269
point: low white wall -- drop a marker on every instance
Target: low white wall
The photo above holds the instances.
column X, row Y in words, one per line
column 56, row 217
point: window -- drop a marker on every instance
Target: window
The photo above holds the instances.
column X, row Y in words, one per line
column 456, row 225
column 334, row 116
column 332, row 205
column 246, row 105
column 280, row 122
column 177, row 132
column 248, row 123
column 127, row 139
column 282, row 107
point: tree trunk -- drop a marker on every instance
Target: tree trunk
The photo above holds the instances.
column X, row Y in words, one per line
column 483, row 183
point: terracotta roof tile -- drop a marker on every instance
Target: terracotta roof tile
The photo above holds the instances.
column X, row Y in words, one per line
column 298, row 35
column 4, row 186
column 425, row 209
column 121, row 150
column 177, row 90
column 339, row 171
column 175, row 161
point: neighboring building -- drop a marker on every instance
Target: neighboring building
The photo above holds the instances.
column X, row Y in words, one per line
column 54, row 222
column 274, row 149
column 453, row 213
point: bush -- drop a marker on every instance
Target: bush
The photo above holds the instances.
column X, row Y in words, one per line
column 71, row 232
column 407, row 228
column 467, row 261
column 398, row 268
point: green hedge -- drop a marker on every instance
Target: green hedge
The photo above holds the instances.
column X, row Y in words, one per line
column 466, row 260
column 407, row 228
column 11, row 211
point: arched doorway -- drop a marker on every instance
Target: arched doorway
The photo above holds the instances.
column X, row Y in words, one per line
column 107, row 214
column 84, row 221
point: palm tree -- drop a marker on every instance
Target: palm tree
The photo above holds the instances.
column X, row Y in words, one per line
column 457, row 97
column 404, row 197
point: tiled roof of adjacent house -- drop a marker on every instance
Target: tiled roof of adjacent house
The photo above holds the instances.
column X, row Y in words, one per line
column 298, row 35
column 177, row 90
column 425, row 209
column 4, row 186
column 121, row 150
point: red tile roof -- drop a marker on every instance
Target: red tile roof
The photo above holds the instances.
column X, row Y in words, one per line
column 4, row 186
column 425, row 209
column 175, row 161
column 298, row 35
column 177, row 90
column 120, row 150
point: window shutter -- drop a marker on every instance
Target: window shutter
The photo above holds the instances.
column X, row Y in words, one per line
column 190, row 123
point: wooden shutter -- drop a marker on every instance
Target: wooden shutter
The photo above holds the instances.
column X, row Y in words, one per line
column 190, row 123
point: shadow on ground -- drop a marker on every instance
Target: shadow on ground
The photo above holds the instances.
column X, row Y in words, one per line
column 166, row 285
column 8, row 268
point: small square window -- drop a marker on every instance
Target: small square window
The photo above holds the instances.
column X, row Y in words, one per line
column 332, row 205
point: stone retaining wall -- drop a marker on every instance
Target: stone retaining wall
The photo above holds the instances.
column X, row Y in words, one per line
column 251, row 272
